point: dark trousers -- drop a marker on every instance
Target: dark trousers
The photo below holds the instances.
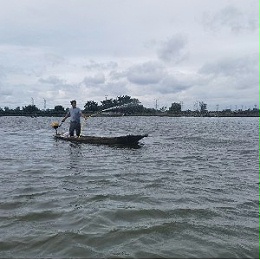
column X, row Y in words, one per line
column 74, row 126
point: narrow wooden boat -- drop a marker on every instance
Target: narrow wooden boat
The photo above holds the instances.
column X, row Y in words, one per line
column 120, row 140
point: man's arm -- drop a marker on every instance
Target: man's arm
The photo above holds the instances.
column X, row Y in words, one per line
column 85, row 117
column 67, row 115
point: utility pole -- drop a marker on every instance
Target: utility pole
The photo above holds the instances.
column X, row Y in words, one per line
column 44, row 104
column 181, row 106
column 156, row 104
column 196, row 106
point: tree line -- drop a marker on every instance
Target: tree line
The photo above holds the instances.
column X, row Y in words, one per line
column 126, row 105
column 122, row 104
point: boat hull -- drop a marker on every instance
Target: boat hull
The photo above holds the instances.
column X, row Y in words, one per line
column 120, row 140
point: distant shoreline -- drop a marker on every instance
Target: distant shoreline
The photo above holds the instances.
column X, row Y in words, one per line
column 161, row 114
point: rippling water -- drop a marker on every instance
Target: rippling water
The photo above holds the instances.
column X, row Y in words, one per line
column 189, row 191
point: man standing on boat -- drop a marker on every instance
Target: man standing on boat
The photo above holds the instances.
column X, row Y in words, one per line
column 74, row 113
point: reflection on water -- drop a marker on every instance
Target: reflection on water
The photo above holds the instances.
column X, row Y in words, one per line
column 188, row 190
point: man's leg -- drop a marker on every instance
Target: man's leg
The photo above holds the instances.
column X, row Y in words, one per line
column 78, row 129
column 71, row 129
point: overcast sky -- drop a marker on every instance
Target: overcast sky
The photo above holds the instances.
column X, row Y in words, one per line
column 165, row 50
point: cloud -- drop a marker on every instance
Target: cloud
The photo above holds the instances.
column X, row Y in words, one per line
column 226, row 81
column 94, row 65
column 240, row 72
column 173, row 49
column 117, row 75
column 53, row 80
column 231, row 18
column 53, row 59
column 97, row 79
column 144, row 49
column 146, row 73
column 5, row 91
column 171, row 84
column 231, row 66
column 154, row 77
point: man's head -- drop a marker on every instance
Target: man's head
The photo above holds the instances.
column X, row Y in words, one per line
column 73, row 103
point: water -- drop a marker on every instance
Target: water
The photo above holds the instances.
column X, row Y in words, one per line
column 189, row 191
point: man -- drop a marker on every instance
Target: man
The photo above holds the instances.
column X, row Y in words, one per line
column 74, row 113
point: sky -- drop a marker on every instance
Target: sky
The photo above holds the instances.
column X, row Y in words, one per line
column 158, row 51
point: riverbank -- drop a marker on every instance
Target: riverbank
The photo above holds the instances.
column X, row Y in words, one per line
column 167, row 114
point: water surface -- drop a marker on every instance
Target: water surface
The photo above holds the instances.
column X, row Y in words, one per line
column 189, row 191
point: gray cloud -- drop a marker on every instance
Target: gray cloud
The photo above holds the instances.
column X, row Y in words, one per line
column 53, row 80
column 97, row 79
column 172, row 84
column 4, row 91
column 232, row 18
column 146, row 73
column 116, row 75
column 97, row 48
column 229, row 80
column 173, row 50
column 231, row 66
column 241, row 71
column 93, row 65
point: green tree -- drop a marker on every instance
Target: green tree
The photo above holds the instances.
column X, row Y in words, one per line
column 121, row 100
column 91, row 106
column 59, row 108
column 125, row 99
column 175, row 108
column 107, row 103
column 163, row 109
column 30, row 109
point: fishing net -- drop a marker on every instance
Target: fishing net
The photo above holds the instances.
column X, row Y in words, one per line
column 55, row 125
